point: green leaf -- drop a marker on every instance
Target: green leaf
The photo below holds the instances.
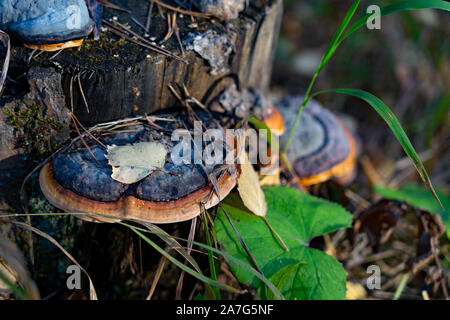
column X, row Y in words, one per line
column 418, row 196
column 392, row 121
column 280, row 280
column 397, row 7
column 298, row 218
column 332, row 46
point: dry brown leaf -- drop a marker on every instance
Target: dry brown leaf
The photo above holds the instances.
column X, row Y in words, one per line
column 133, row 162
column 249, row 188
column 13, row 269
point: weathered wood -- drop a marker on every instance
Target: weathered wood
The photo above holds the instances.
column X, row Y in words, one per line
column 121, row 79
column 118, row 79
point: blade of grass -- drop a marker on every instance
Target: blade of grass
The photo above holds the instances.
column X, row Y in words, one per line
column 92, row 292
column 16, row 290
column 397, row 7
column 388, row 116
column 180, row 264
column 161, row 234
column 401, row 287
column 12, row 263
column 340, row 36
column 261, row 277
column 337, row 36
column 179, row 287
column 175, row 245
column 212, row 265
column 158, row 273
column 168, row 239
column 332, row 46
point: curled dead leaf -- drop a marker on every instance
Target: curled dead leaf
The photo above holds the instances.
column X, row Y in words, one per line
column 250, row 189
column 132, row 163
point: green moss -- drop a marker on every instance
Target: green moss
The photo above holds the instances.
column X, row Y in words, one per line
column 37, row 130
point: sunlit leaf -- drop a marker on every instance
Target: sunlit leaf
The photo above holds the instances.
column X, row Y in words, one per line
column 298, row 218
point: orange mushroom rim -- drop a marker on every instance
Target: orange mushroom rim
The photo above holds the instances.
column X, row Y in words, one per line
column 342, row 171
column 132, row 208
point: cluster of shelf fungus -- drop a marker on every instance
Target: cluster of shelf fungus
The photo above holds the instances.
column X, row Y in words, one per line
column 227, row 75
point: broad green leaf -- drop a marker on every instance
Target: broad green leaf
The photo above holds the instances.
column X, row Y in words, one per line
column 418, row 196
column 298, row 218
column 392, row 121
column 280, row 280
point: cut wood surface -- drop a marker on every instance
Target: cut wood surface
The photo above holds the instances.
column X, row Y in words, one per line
column 120, row 79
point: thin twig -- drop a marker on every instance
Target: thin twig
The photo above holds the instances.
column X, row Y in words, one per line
column 149, row 17
column 88, row 133
column 190, row 13
column 169, row 33
column 56, row 54
column 276, row 234
column 81, row 137
column 161, row 265
column 4, row 38
column 190, row 244
column 141, row 42
column 82, row 93
column 244, row 245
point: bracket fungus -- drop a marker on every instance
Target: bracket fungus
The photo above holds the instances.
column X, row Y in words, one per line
column 79, row 180
column 48, row 25
column 322, row 147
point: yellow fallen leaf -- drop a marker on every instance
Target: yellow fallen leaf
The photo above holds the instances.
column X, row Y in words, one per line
column 8, row 275
column 355, row 291
column 249, row 188
column 133, row 162
column 272, row 179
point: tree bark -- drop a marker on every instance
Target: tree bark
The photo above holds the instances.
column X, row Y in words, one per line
column 120, row 79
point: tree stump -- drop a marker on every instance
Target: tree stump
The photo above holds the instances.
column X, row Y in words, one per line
column 113, row 78
column 120, row 79
column 110, row 79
